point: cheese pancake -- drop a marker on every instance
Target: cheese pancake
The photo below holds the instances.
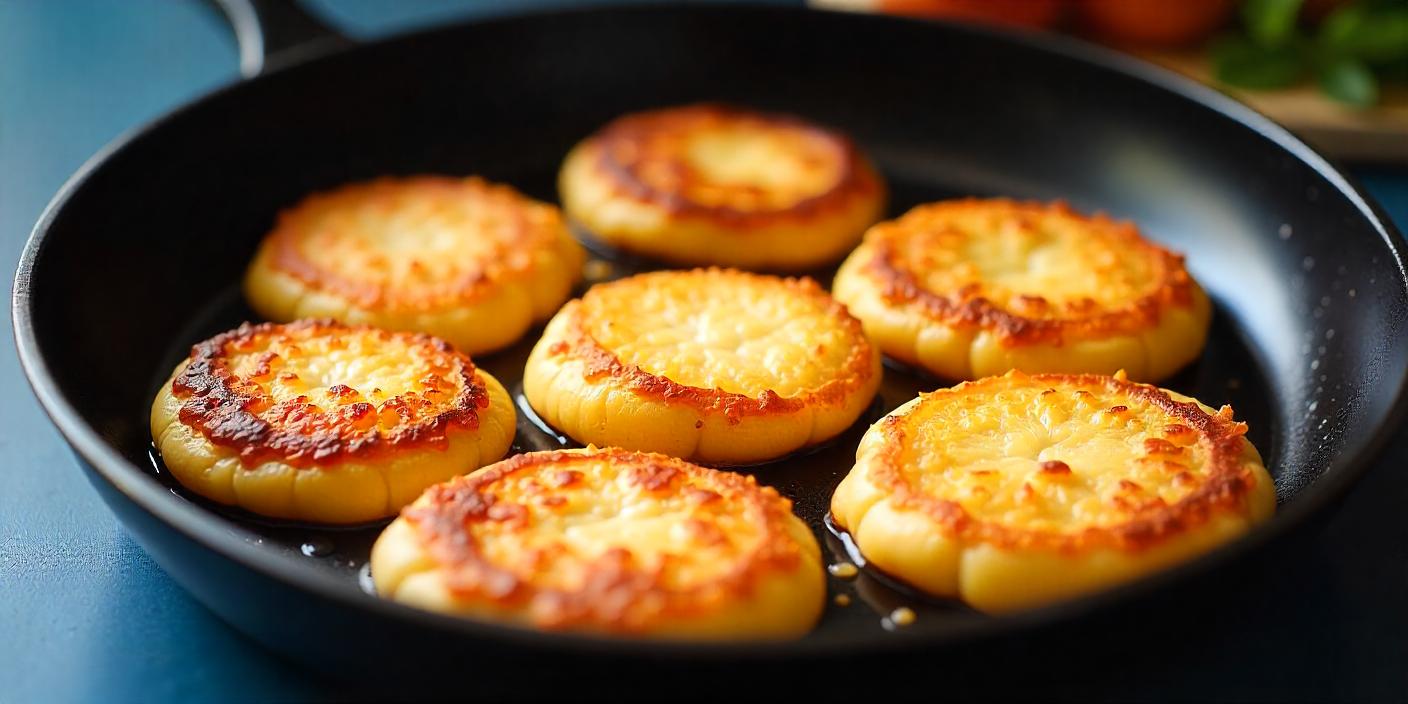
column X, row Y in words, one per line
column 711, row 184
column 972, row 288
column 607, row 541
column 322, row 422
column 1015, row 491
column 463, row 259
column 718, row 366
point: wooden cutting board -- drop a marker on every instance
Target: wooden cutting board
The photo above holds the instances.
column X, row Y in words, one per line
column 1379, row 134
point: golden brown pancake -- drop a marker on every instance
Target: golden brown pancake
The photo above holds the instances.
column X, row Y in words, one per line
column 469, row 261
column 972, row 288
column 323, row 422
column 608, row 541
column 717, row 366
column 1016, row 490
column 712, row 184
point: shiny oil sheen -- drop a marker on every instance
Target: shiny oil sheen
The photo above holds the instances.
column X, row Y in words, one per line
column 1227, row 375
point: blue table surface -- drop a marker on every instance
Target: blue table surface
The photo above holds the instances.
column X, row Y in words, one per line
column 85, row 615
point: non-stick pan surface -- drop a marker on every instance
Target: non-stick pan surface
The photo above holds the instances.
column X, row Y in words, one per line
column 141, row 253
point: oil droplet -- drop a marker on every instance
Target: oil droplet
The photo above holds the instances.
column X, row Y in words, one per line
column 364, row 579
column 317, row 547
column 843, row 599
column 154, row 456
column 844, row 570
column 1284, row 232
column 899, row 618
column 527, row 412
column 597, row 270
column 1353, row 293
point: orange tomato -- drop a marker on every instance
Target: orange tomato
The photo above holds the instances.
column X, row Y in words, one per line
column 1026, row 13
column 1160, row 23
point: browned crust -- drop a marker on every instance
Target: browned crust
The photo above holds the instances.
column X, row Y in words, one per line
column 602, row 363
column 231, row 411
column 622, row 146
column 1225, row 489
column 1171, row 287
column 617, row 593
column 479, row 278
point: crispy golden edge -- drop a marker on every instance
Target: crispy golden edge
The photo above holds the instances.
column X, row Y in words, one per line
column 613, row 588
column 219, row 404
column 617, row 148
column 539, row 228
column 1172, row 287
column 602, row 364
column 1228, row 484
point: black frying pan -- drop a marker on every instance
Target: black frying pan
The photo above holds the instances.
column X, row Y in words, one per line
column 140, row 254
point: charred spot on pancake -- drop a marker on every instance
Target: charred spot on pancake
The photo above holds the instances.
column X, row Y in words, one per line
column 229, row 392
column 324, row 422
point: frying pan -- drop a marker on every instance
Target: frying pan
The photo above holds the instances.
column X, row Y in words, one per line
column 140, row 254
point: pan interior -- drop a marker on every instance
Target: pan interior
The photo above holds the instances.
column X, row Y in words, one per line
column 1227, row 373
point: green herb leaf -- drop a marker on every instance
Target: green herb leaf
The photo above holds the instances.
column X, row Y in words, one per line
column 1270, row 23
column 1240, row 62
column 1351, row 82
column 1376, row 36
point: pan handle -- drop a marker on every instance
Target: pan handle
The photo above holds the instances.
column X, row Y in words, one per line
column 271, row 32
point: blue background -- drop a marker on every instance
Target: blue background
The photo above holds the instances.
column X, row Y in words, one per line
column 86, row 616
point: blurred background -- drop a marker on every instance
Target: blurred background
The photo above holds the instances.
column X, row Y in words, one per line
column 1336, row 71
column 86, row 616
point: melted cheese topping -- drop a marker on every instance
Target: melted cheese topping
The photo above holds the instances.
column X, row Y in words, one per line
column 579, row 514
column 401, row 376
column 1031, row 260
column 416, row 241
column 727, row 330
column 753, row 167
column 716, row 157
column 1056, row 458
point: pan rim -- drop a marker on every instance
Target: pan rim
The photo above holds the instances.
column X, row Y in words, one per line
column 203, row 528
